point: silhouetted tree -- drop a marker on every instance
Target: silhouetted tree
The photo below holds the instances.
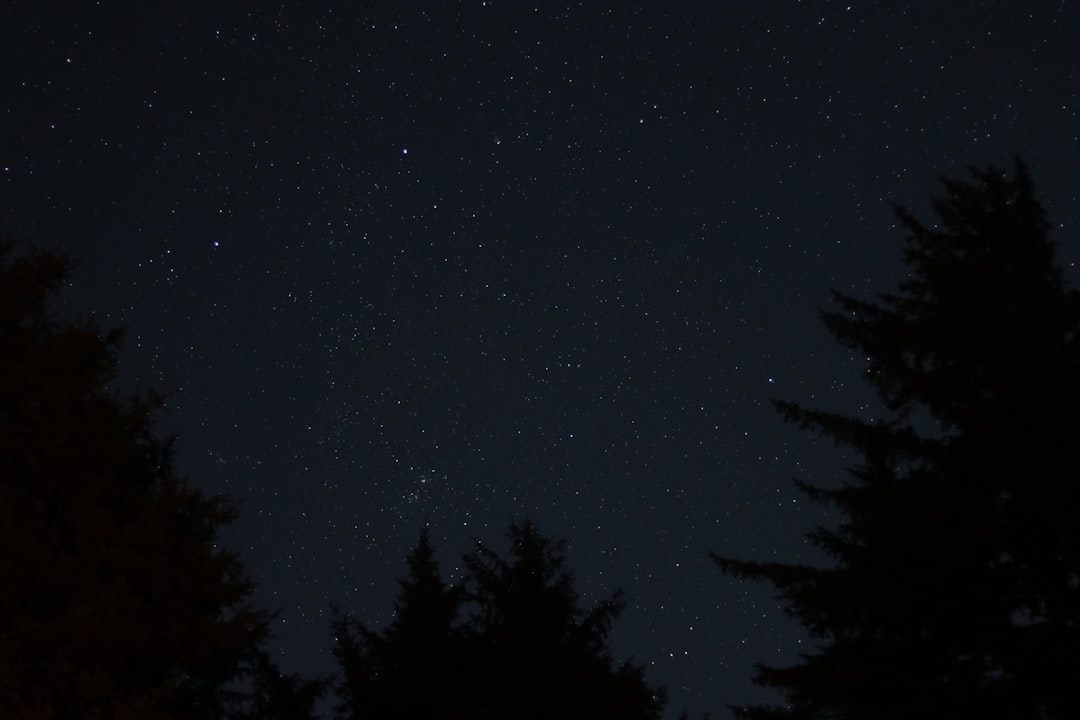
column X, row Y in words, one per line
column 273, row 694
column 513, row 643
column 117, row 602
column 414, row 667
column 954, row 589
column 540, row 654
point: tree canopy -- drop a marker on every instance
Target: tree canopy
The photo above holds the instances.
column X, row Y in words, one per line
column 511, row 640
column 954, row 586
column 413, row 667
column 118, row 603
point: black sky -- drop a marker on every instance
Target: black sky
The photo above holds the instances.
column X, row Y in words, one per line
column 462, row 262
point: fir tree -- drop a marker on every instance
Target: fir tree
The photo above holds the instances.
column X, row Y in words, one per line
column 954, row 587
column 413, row 667
column 117, row 601
column 511, row 641
column 540, row 654
column 275, row 695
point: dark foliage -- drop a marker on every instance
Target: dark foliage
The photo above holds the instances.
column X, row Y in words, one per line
column 117, row 602
column 511, row 641
column 273, row 694
column 955, row 584
column 413, row 667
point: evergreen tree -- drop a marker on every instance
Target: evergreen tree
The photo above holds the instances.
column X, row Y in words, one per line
column 275, row 695
column 540, row 654
column 117, row 601
column 954, row 587
column 511, row 642
column 413, row 668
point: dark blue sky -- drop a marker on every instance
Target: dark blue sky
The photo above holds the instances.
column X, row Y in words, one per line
column 462, row 262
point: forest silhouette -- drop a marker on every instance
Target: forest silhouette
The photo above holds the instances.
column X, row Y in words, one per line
column 509, row 641
column 951, row 587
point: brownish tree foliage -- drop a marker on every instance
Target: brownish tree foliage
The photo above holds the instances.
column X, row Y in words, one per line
column 117, row 602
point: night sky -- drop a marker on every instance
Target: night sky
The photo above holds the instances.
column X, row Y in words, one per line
column 459, row 263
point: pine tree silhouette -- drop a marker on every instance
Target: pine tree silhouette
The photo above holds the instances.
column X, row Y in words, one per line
column 954, row 589
column 117, row 601
column 511, row 641
column 414, row 668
